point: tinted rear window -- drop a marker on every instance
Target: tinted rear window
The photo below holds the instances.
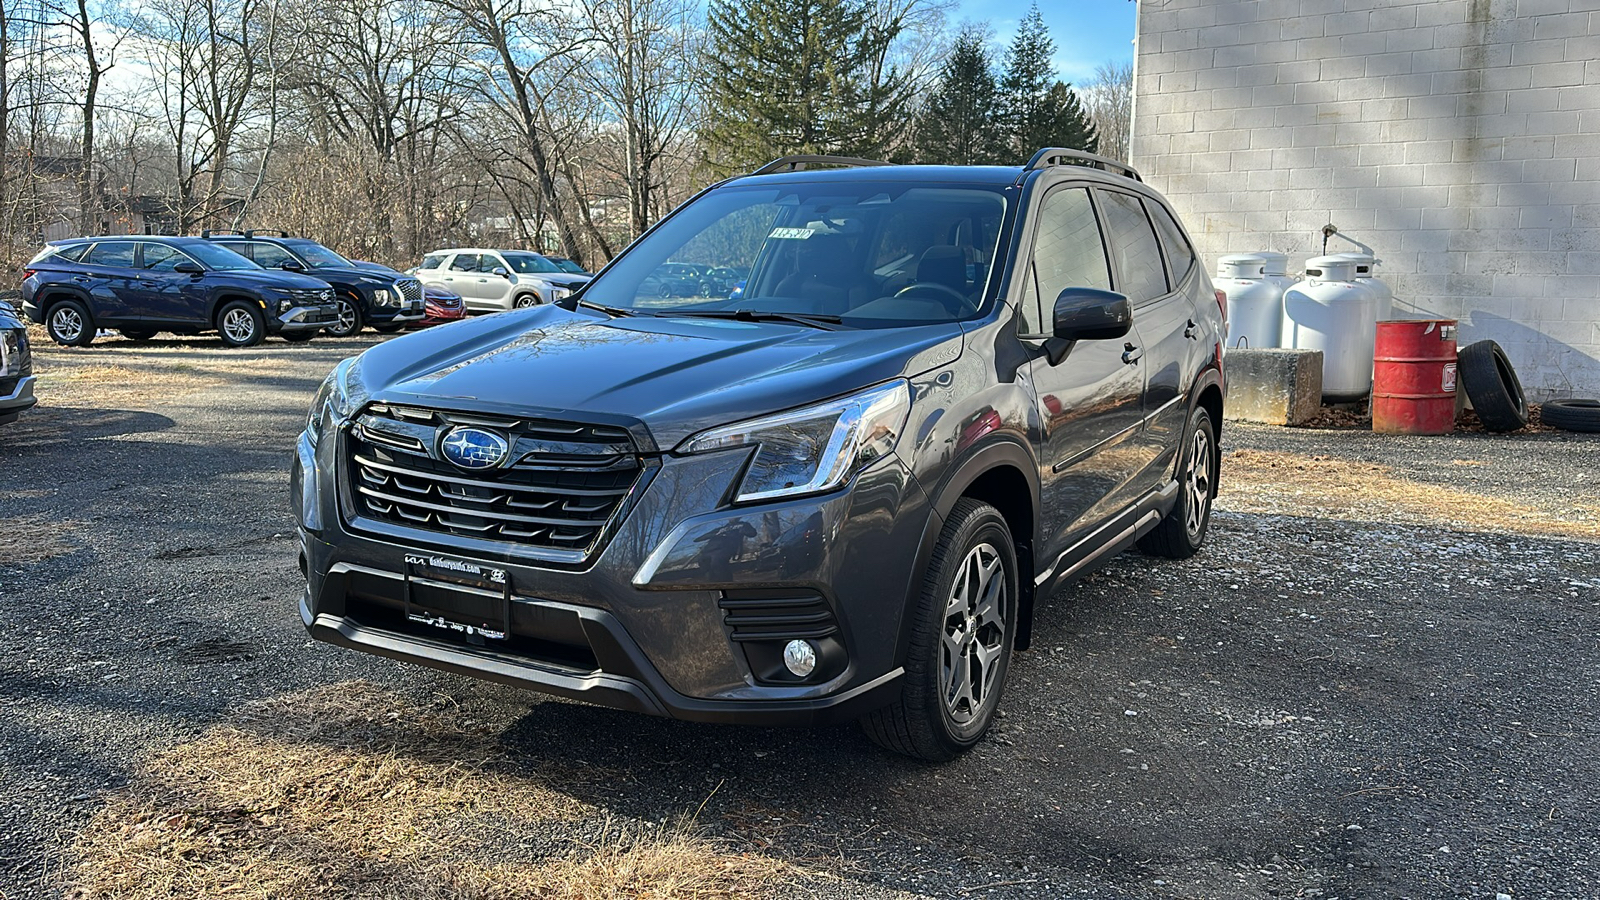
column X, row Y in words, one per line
column 1141, row 273
column 1180, row 255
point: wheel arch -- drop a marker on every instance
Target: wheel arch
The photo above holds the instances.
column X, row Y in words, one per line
column 55, row 293
column 224, row 297
column 1208, row 395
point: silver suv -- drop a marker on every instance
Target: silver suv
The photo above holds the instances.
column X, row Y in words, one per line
column 495, row 280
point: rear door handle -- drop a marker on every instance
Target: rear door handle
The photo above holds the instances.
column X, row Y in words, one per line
column 1131, row 354
column 150, row 284
column 81, row 279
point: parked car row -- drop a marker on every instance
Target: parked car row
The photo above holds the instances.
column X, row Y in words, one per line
column 247, row 286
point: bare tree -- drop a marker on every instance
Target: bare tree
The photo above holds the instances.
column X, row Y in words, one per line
column 1108, row 100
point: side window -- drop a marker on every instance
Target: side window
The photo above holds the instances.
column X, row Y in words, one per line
column 488, row 262
column 432, row 262
column 268, row 256
column 1140, row 272
column 71, row 254
column 1068, row 250
column 112, row 253
column 464, row 262
column 160, row 258
column 1180, row 253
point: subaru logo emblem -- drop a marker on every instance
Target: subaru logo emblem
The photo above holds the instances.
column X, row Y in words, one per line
column 474, row 448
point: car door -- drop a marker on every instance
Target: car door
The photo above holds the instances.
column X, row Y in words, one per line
column 108, row 275
column 462, row 276
column 1163, row 313
column 268, row 256
column 165, row 296
column 1089, row 403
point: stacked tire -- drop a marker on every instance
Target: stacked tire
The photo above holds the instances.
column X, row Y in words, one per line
column 1491, row 384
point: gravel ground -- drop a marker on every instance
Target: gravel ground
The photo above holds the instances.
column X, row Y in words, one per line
column 1312, row 707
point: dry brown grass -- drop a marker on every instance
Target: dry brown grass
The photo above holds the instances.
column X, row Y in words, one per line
column 1296, row 484
column 78, row 383
column 29, row 539
column 351, row 792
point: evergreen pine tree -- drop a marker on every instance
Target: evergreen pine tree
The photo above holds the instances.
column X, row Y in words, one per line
column 960, row 125
column 1040, row 111
column 798, row 76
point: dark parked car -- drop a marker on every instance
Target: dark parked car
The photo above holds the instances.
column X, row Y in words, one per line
column 672, row 279
column 16, row 365
column 944, row 392
column 145, row 285
column 720, row 281
column 366, row 293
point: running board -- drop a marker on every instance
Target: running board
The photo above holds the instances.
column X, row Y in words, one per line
column 1113, row 537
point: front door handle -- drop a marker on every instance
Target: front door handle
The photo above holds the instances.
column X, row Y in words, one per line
column 1191, row 332
column 1131, row 354
column 81, row 279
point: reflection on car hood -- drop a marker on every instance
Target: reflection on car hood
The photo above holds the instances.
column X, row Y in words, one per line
column 676, row 375
column 273, row 278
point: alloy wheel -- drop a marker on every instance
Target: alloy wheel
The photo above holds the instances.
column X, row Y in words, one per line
column 526, row 301
column 67, row 324
column 1197, row 487
column 347, row 317
column 974, row 634
column 239, row 325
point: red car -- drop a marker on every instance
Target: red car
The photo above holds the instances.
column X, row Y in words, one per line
column 440, row 306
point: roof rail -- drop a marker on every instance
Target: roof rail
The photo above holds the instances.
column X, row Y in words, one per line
column 270, row 232
column 1056, row 156
column 209, row 232
column 802, row 161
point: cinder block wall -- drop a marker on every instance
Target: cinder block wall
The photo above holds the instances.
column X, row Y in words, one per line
column 1458, row 140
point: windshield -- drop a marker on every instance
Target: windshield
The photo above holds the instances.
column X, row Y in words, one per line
column 873, row 254
column 568, row 266
column 320, row 257
column 215, row 256
column 530, row 263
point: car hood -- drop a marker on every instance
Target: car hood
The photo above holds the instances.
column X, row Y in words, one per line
column 355, row 273
column 372, row 268
column 272, row 278
column 676, row 376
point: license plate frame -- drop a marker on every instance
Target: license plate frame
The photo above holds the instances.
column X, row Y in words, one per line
column 465, row 579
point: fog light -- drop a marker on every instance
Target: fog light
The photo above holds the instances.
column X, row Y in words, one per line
column 800, row 658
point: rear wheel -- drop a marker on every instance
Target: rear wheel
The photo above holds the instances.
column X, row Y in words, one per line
column 137, row 334
column 69, row 324
column 239, row 324
column 961, row 639
column 1182, row 532
column 350, row 320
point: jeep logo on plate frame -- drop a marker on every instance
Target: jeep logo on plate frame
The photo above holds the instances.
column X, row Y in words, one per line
column 474, row 448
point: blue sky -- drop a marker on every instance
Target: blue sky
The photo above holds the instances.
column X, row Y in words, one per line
column 1087, row 32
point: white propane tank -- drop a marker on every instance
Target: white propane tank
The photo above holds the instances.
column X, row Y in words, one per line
column 1276, row 269
column 1367, row 274
column 1331, row 312
column 1255, row 306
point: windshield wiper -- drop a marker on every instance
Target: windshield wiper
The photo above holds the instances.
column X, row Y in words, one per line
column 612, row 310
column 814, row 320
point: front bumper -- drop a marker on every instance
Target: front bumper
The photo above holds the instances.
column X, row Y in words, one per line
column 19, row 399
column 410, row 311
column 307, row 318
column 649, row 622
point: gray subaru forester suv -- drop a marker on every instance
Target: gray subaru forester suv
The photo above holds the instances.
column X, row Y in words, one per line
column 835, row 492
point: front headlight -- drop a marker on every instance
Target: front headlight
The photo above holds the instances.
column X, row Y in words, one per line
column 559, row 293
column 385, row 297
column 816, row 448
column 333, row 402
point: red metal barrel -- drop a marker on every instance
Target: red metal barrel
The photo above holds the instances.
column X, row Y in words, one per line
column 1414, row 377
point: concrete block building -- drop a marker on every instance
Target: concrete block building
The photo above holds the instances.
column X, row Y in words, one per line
column 1458, row 140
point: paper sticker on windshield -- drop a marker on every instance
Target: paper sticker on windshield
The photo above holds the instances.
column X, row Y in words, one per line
column 792, row 234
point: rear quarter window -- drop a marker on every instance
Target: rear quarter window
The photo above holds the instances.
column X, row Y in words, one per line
column 1180, row 253
column 432, row 262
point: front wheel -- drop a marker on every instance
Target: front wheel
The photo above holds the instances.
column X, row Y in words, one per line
column 69, row 324
column 525, row 301
column 1182, row 532
column 961, row 639
column 349, row 318
column 239, row 324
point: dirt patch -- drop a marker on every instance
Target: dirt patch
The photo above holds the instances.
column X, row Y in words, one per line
column 1263, row 481
column 1359, row 416
column 25, row 540
column 350, row 791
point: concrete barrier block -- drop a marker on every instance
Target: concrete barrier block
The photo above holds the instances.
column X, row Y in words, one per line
column 1273, row 387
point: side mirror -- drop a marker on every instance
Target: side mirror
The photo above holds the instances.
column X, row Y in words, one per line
column 1087, row 314
column 189, row 268
column 501, row 271
column 291, row 265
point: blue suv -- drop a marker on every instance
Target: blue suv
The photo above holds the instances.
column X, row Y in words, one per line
column 146, row 284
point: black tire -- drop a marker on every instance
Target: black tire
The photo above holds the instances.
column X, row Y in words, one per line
column 69, row 323
column 388, row 328
column 1571, row 415
column 931, row 721
column 350, row 319
column 1492, row 386
column 525, row 301
column 136, row 334
column 240, row 324
column 1182, row 531
column 298, row 337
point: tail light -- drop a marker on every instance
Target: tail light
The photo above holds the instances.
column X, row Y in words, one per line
column 1222, row 304
column 28, row 273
